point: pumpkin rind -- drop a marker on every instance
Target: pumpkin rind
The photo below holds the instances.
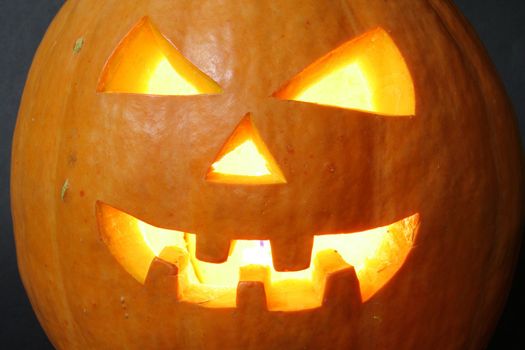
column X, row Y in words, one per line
column 457, row 163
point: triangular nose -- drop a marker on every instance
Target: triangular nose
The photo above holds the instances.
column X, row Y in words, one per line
column 245, row 159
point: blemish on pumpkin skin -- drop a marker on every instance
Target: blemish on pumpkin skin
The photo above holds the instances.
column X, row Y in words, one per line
column 72, row 159
column 78, row 45
column 82, row 193
column 123, row 304
column 64, row 190
column 377, row 318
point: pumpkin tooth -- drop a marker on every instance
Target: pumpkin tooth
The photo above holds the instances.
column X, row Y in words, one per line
column 251, row 296
column 251, row 289
column 292, row 254
column 342, row 290
column 162, row 277
column 212, row 248
column 341, row 285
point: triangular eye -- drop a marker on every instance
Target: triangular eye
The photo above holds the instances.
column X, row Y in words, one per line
column 145, row 62
column 245, row 159
column 368, row 73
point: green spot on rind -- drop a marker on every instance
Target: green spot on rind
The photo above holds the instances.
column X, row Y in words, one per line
column 78, row 45
column 65, row 187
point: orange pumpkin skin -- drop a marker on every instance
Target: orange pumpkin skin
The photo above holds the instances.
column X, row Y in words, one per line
column 457, row 163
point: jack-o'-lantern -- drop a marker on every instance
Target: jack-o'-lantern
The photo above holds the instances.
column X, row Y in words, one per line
column 265, row 175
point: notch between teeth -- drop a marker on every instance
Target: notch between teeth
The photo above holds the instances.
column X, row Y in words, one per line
column 251, row 296
column 255, row 273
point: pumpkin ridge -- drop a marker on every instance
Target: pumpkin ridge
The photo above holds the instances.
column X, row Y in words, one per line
column 473, row 63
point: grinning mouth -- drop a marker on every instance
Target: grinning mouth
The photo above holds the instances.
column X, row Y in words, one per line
column 367, row 260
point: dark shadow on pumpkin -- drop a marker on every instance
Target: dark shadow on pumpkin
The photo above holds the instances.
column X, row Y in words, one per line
column 354, row 264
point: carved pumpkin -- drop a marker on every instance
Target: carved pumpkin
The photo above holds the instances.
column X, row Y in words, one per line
column 263, row 175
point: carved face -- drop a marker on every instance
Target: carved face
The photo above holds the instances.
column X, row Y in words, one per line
column 367, row 73
column 262, row 174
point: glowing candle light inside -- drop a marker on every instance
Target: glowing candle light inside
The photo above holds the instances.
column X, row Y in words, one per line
column 345, row 87
column 375, row 254
column 255, row 253
column 145, row 62
column 165, row 80
column 367, row 73
column 244, row 160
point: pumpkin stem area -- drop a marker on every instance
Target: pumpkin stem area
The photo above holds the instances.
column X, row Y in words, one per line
column 375, row 255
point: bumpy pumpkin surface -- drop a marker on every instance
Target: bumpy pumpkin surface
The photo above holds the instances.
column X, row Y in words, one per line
column 82, row 155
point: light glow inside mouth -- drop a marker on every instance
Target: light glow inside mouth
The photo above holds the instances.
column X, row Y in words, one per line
column 375, row 255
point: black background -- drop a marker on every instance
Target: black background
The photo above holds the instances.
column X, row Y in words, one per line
column 500, row 24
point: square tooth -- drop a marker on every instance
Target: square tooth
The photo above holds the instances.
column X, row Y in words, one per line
column 251, row 296
column 292, row 254
column 336, row 279
column 342, row 290
column 162, row 278
column 212, row 248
